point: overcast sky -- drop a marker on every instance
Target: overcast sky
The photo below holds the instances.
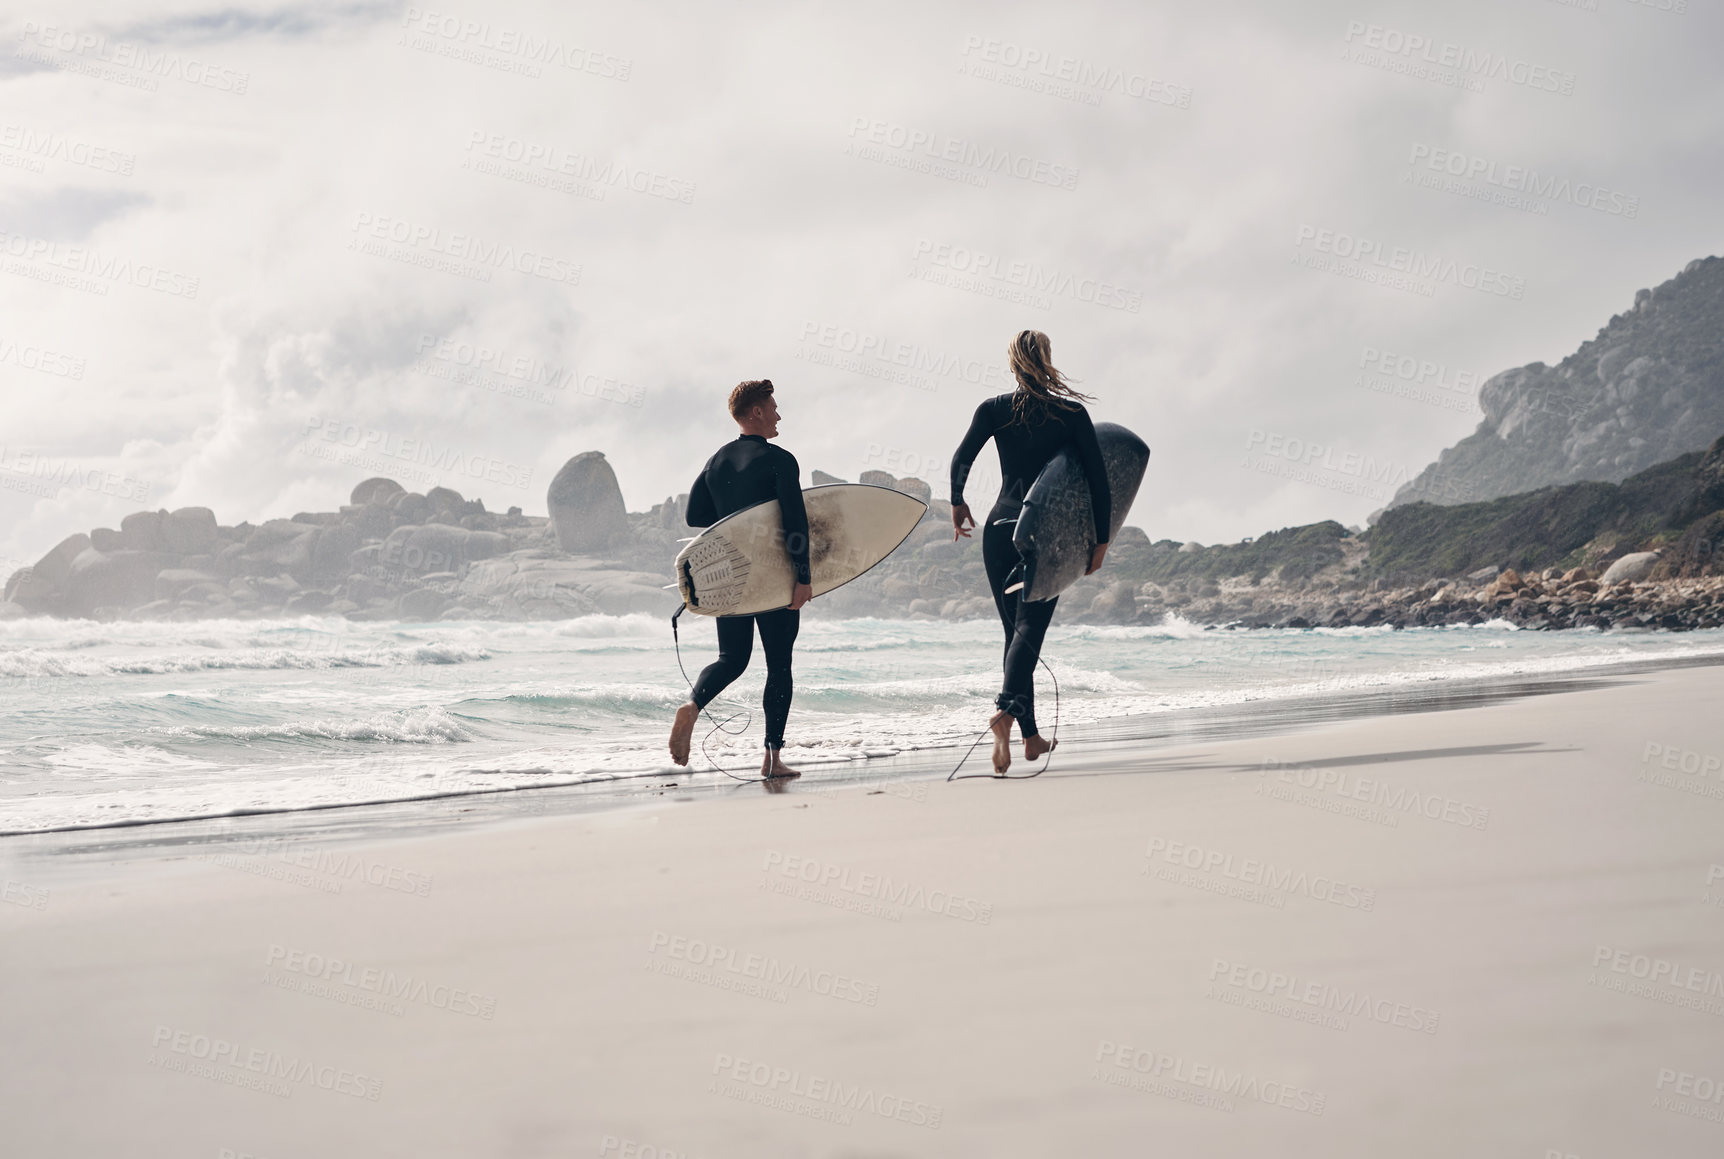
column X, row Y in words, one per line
column 249, row 250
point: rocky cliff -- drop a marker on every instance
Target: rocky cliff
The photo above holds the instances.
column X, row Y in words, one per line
column 1649, row 387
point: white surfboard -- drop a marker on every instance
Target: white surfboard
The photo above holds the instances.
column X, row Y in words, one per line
column 739, row 565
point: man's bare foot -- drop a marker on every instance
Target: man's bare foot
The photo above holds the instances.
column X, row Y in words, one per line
column 682, row 732
column 1036, row 746
column 1001, row 727
column 772, row 765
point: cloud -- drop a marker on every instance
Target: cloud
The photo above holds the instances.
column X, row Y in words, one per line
column 648, row 206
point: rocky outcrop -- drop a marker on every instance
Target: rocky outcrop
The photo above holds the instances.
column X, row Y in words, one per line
column 586, row 504
column 1649, row 387
column 367, row 560
column 1576, row 524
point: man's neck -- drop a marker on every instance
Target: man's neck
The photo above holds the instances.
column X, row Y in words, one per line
column 746, row 432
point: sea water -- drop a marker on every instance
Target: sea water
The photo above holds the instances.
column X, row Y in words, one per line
column 107, row 723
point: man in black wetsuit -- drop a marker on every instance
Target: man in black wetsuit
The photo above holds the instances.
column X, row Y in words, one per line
column 747, row 471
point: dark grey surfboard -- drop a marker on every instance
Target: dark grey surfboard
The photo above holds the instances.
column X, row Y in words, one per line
column 1056, row 529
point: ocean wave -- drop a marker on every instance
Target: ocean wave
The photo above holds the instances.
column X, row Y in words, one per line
column 1172, row 627
column 32, row 662
column 427, row 725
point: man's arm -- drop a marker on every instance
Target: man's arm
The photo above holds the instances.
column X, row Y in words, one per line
column 792, row 513
column 702, row 511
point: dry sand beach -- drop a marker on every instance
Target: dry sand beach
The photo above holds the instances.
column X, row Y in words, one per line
column 1493, row 931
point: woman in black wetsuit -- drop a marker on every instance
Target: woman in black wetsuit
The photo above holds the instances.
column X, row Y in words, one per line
column 1029, row 427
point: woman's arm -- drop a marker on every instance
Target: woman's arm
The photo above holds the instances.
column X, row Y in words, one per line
column 981, row 430
column 1095, row 470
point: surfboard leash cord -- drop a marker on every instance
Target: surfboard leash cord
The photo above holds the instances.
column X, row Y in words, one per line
column 717, row 725
column 1046, row 761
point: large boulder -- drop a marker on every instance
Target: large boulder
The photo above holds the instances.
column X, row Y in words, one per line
column 142, row 531
column 1630, row 568
column 171, row 583
column 42, row 588
column 114, row 579
column 445, row 500
column 330, row 552
column 1115, row 604
column 190, row 531
column 369, row 520
column 409, row 507
column 586, row 504
column 428, row 548
column 279, row 545
column 376, row 490
column 423, row 604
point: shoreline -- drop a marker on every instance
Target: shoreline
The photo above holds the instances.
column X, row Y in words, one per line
column 1264, row 717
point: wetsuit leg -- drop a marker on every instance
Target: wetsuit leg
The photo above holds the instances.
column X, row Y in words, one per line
column 777, row 638
column 1018, row 690
column 1025, row 624
column 735, row 642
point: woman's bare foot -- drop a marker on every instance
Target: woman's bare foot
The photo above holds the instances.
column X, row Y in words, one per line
column 682, row 732
column 1036, row 746
column 1001, row 727
column 773, row 766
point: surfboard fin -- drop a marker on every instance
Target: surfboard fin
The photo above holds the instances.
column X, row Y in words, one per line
column 1015, row 580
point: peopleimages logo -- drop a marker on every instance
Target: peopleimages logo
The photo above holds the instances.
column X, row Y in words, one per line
column 1032, row 278
column 385, row 985
column 166, row 63
column 1035, row 64
column 876, row 887
column 234, row 1065
column 75, row 260
column 447, row 34
column 1519, row 179
column 1432, row 268
column 1322, row 996
column 911, row 357
column 1251, row 872
column 435, row 242
column 726, row 967
column 1208, row 1076
column 580, row 167
column 811, row 1094
column 424, row 452
column 938, row 147
column 46, row 146
column 1467, row 63
column 41, row 359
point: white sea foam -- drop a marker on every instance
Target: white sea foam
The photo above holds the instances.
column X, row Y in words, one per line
column 205, row 719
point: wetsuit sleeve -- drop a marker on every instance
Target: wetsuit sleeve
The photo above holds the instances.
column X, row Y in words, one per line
column 981, row 430
column 702, row 511
column 792, row 512
column 1095, row 470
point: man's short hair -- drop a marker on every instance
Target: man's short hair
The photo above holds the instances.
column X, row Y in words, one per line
column 749, row 395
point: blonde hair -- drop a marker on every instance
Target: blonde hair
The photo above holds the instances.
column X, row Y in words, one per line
column 1039, row 384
